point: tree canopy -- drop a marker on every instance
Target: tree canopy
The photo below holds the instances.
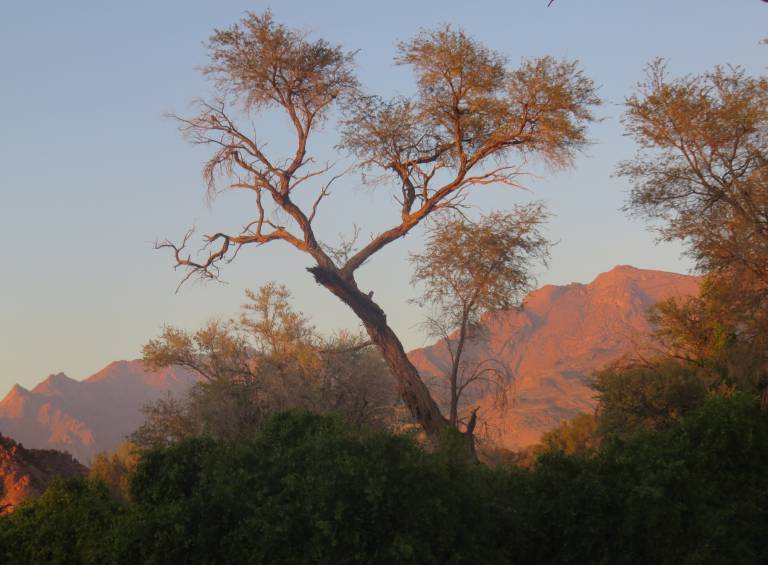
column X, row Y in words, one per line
column 702, row 175
column 269, row 359
column 701, row 168
column 473, row 121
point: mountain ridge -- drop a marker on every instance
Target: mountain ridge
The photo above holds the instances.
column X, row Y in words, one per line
column 553, row 344
column 87, row 416
column 550, row 346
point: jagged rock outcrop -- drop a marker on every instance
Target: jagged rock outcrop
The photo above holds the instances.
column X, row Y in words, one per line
column 85, row 417
column 552, row 346
column 27, row 472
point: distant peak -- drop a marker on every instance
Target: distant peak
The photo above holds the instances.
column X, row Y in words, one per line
column 625, row 269
column 116, row 369
column 17, row 389
column 54, row 382
column 59, row 378
column 16, row 395
column 625, row 272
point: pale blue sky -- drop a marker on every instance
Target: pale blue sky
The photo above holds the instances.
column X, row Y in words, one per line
column 91, row 172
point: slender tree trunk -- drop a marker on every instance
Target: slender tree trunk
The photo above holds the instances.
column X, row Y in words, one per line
column 411, row 388
column 469, row 432
column 455, row 365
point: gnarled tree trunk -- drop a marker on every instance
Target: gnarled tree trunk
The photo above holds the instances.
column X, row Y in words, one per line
column 412, row 389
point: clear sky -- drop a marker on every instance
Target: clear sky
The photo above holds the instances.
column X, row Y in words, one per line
column 91, row 173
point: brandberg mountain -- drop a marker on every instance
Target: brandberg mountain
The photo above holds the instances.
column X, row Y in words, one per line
column 553, row 344
column 85, row 417
column 550, row 348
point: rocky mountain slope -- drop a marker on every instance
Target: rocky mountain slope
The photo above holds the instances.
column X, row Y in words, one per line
column 85, row 417
column 27, row 472
column 550, row 349
column 552, row 346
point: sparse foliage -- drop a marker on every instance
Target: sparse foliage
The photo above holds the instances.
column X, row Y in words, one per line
column 722, row 332
column 268, row 360
column 473, row 121
column 702, row 169
column 466, row 270
column 115, row 469
column 167, row 420
column 702, row 174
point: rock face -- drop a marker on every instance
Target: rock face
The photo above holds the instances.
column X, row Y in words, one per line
column 27, row 472
column 554, row 343
column 85, row 417
column 550, row 348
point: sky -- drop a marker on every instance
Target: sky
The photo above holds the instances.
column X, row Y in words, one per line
column 92, row 171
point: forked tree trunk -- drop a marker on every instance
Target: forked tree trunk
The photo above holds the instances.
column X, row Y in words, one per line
column 411, row 388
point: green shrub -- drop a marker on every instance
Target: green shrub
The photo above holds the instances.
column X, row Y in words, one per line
column 696, row 492
column 642, row 398
column 74, row 521
column 312, row 489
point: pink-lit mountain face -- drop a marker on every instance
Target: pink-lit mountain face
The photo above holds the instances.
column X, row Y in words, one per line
column 85, row 417
column 552, row 346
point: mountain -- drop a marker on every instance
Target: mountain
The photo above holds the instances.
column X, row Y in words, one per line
column 550, row 347
column 554, row 343
column 85, row 417
column 27, row 472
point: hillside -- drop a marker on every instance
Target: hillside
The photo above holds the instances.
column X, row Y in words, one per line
column 27, row 472
column 554, row 343
column 85, row 417
column 550, row 347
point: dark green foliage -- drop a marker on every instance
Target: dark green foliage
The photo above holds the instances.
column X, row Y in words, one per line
column 696, row 492
column 314, row 489
column 647, row 397
column 73, row 522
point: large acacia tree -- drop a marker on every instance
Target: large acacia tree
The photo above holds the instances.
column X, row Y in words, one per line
column 702, row 174
column 472, row 121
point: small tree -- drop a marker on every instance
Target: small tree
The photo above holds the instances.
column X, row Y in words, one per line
column 470, row 268
column 636, row 398
column 470, row 115
column 268, row 360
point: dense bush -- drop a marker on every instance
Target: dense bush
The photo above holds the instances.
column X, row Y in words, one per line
column 696, row 492
column 74, row 521
column 646, row 397
column 313, row 489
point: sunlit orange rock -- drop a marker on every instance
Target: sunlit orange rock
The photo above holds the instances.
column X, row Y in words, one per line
column 556, row 341
column 26, row 472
